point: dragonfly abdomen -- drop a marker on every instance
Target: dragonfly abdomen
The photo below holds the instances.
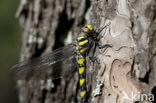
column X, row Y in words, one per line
column 82, row 50
column 81, row 61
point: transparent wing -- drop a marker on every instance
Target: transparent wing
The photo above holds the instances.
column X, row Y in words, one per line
column 56, row 64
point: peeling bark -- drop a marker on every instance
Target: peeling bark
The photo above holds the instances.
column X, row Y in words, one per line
column 125, row 68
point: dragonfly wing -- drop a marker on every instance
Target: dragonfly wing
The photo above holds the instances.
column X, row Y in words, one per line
column 64, row 68
column 53, row 62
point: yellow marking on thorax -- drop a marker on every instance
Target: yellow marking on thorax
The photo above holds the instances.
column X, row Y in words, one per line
column 82, row 81
column 83, row 50
column 80, row 37
column 83, row 42
column 83, row 93
column 81, row 70
column 80, row 61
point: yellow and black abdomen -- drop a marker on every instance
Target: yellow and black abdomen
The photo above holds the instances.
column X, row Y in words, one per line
column 82, row 51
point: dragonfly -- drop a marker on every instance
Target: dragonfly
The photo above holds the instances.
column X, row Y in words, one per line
column 62, row 61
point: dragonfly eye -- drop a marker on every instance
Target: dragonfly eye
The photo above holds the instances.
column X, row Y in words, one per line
column 89, row 31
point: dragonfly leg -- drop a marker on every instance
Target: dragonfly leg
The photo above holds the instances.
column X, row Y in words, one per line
column 93, row 59
column 105, row 46
column 100, row 30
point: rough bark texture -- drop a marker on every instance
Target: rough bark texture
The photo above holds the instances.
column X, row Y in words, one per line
column 125, row 68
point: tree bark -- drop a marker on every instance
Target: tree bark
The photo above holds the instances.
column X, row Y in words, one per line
column 125, row 69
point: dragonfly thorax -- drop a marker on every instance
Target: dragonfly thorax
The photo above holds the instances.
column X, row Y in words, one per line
column 82, row 44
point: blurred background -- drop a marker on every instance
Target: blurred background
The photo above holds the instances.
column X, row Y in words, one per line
column 10, row 42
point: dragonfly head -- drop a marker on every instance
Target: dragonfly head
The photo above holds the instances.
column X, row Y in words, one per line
column 89, row 31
